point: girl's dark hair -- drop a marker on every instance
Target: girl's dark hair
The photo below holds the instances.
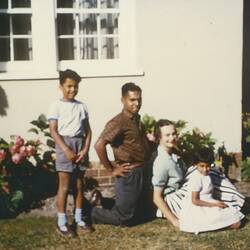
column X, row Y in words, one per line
column 159, row 124
column 68, row 73
column 130, row 86
column 205, row 155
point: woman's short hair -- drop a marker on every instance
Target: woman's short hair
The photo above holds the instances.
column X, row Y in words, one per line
column 159, row 124
column 205, row 155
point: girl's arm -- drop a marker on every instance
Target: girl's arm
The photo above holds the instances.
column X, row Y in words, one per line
column 87, row 141
column 162, row 205
column 59, row 141
column 196, row 201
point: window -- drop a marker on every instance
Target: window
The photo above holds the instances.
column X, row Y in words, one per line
column 15, row 30
column 93, row 37
column 88, row 29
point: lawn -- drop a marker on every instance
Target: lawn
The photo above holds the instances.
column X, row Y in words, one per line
column 39, row 233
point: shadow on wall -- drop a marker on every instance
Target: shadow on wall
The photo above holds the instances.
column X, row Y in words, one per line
column 3, row 102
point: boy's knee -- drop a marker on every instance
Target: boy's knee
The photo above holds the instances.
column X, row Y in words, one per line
column 63, row 189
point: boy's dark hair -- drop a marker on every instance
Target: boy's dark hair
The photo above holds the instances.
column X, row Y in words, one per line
column 205, row 155
column 159, row 124
column 130, row 86
column 68, row 73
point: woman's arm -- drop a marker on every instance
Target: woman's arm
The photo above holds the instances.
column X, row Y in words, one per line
column 196, row 201
column 162, row 205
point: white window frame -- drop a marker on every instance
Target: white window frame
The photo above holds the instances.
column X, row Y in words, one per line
column 45, row 64
column 14, row 65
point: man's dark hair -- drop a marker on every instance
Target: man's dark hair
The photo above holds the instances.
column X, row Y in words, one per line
column 68, row 73
column 159, row 124
column 205, row 155
column 130, row 86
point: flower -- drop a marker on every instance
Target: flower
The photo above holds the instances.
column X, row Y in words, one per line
column 17, row 158
column 2, row 155
column 30, row 150
column 19, row 141
column 14, row 149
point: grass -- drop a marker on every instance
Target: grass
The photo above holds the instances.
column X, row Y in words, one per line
column 32, row 233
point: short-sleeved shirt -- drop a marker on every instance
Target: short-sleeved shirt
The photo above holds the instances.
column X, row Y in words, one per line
column 126, row 135
column 70, row 116
column 168, row 171
column 200, row 183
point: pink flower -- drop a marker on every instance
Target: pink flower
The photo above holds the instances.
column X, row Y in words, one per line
column 30, row 150
column 19, row 141
column 17, row 158
column 2, row 155
column 14, row 149
column 23, row 151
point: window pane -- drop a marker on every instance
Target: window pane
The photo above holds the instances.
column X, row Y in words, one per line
column 4, row 49
column 67, row 48
column 20, row 3
column 88, row 4
column 110, row 48
column 22, row 49
column 3, row 4
column 66, row 3
column 89, row 48
column 65, row 24
column 4, row 25
column 88, row 24
column 21, row 24
column 109, row 23
column 109, row 3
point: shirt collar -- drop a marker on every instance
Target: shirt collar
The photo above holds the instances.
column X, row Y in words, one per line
column 131, row 116
column 165, row 154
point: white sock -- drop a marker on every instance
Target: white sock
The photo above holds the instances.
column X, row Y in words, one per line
column 62, row 220
column 78, row 215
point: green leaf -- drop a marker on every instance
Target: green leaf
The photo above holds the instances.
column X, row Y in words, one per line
column 42, row 118
column 248, row 139
column 51, row 143
column 33, row 130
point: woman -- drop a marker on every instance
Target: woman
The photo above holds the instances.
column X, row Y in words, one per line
column 171, row 177
column 168, row 169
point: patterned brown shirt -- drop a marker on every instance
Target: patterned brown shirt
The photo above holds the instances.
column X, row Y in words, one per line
column 126, row 135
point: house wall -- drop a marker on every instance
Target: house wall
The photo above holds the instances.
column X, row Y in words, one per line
column 191, row 53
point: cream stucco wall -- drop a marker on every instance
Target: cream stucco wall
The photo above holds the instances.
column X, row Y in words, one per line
column 191, row 53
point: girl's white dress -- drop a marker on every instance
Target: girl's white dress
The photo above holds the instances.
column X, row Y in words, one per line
column 197, row 219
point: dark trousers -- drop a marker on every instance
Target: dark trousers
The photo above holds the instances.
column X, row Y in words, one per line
column 127, row 191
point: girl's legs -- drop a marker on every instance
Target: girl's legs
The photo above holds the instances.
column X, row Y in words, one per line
column 63, row 188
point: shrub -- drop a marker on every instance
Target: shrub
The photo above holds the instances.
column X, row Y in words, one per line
column 27, row 172
column 188, row 142
column 245, row 169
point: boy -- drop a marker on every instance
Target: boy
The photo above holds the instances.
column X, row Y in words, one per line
column 69, row 127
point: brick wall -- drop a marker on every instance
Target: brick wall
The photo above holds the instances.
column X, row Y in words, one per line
column 104, row 178
column 99, row 173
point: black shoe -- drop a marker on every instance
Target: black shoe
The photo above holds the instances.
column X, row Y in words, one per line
column 69, row 233
column 86, row 228
column 96, row 198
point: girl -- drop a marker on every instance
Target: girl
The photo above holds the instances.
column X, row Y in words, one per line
column 200, row 211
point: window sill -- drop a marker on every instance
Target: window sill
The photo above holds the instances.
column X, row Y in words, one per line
column 20, row 76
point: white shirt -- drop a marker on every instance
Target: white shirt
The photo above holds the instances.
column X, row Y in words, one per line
column 69, row 115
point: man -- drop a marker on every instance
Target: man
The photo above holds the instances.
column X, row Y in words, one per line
column 125, row 133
